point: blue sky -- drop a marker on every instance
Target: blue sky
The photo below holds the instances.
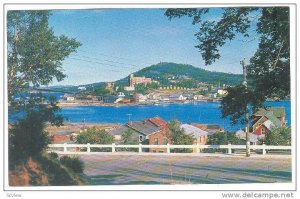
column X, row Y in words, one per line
column 117, row 42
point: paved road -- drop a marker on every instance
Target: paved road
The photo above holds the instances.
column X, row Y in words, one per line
column 136, row 169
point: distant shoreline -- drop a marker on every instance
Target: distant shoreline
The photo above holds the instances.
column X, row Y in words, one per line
column 116, row 105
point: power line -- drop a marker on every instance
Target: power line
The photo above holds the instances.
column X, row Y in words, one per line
column 106, row 60
column 112, row 56
column 94, row 63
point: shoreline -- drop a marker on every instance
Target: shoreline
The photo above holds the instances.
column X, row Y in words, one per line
column 132, row 104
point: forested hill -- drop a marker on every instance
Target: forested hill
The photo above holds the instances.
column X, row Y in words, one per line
column 163, row 71
column 166, row 72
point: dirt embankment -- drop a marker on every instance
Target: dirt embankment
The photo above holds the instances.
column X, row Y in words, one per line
column 28, row 174
column 69, row 128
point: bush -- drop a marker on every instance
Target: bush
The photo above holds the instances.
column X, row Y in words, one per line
column 95, row 136
column 53, row 155
column 28, row 137
column 73, row 163
column 279, row 136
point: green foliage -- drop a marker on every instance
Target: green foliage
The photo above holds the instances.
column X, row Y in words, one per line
column 53, row 155
column 163, row 70
column 35, row 54
column 279, row 136
column 179, row 137
column 28, row 137
column 101, row 90
column 73, row 163
column 222, row 138
column 95, row 136
column 269, row 69
column 129, row 139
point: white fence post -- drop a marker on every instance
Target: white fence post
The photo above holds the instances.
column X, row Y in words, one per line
column 65, row 147
column 229, row 149
column 140, row 148
column 168, row 148
column 113, row 147
column 264, row 149
column 198, row 148
column 88, row 149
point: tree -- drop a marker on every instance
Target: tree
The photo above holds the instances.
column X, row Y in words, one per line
column 27, row 138
column 35, row 54
column 95, row 136
column 179, row 137
column 222, row 138
column 128, row 138
column 269, row 69
column 279, row 136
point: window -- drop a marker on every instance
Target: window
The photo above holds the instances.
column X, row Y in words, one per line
column 141, row 138
column 156, row 141
column 263, row 131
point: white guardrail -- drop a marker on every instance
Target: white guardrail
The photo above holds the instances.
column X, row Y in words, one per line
column 77, row 148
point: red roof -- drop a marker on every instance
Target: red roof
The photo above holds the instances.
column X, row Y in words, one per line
column 157, row 121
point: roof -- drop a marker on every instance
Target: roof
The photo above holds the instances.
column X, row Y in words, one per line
column 120, row 130
column 276, row 111
column 143, row 127
column 157, row 121
column 190, row 129
column 273, row 119
column 211, row 128
column 268, row 124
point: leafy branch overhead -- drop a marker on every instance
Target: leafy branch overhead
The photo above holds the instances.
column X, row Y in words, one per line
column 35, row 54
column 269, row 68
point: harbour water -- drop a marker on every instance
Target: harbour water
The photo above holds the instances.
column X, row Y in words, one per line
column 206, row 112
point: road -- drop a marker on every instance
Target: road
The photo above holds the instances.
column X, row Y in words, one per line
column 162, row 169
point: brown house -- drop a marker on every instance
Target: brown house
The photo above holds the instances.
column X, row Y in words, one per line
column 161, row 137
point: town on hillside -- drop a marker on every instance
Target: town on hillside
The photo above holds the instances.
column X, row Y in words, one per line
column 144, row 90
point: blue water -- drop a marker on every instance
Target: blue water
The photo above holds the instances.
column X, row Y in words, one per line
column 198, row 113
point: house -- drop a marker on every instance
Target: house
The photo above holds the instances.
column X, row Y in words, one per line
column 138, row 98
column 141, row 130
column 221, row 91
column 177, row 97
column 198, row 97
column 264, row 120
column 164, row 98
column 160, row 137
column 200, row 136
column 69, row 97
column 82, row 88
column 188, row 96
column 210, row 128
column 242, row 135
column 109, row 99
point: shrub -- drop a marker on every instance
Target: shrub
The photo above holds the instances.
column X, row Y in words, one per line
column 73, row 163
column 95, row 136
column 28, row 137
column 53, row 155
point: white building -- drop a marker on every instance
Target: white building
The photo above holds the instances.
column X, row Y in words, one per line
column 82, row 88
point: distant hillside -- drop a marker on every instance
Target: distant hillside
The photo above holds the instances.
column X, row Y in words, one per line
column 163, row 71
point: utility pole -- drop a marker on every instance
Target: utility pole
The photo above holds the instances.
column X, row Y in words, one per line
column 243, row 63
